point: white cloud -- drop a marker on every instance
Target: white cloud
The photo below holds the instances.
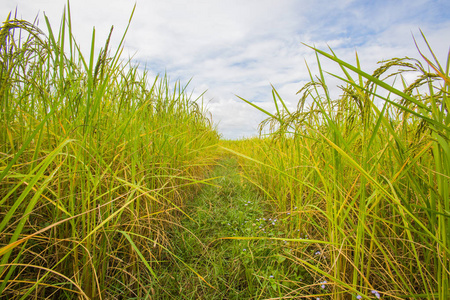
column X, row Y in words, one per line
column 241, row 47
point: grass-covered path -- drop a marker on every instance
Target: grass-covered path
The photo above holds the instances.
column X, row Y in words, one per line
column 235, row 268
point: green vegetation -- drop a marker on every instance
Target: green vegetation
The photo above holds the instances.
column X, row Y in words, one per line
column 236, row 243
column 115, row 186
column 96, row 165
column 370, row 181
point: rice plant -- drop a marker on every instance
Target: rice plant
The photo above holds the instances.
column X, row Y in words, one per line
column 97, row 161
column 368, row 174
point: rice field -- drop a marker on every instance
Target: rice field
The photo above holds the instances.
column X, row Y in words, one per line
column 368, row 182
column 115, row 185
column 97, row 162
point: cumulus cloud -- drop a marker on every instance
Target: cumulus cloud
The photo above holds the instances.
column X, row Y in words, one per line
column 242, row 47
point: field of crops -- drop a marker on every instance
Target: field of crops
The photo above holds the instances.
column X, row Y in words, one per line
column 369, row 182
column 114, row 185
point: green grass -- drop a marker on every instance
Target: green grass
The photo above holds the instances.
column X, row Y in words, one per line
column 235, row 241
column 227, row 208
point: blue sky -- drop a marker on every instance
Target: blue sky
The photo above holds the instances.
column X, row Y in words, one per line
column 236, row 47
